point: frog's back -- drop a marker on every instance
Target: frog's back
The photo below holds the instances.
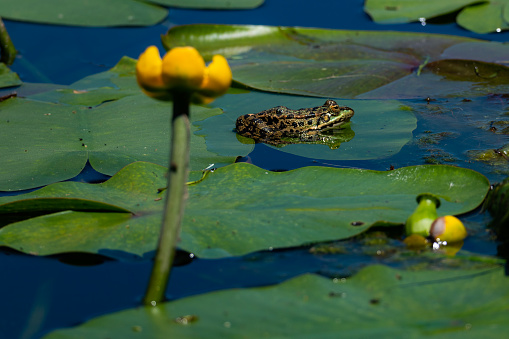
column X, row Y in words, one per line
column 281, row 121
column 262, row 125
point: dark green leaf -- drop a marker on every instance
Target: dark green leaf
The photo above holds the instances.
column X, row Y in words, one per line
column 336, row 63
column 468, row 70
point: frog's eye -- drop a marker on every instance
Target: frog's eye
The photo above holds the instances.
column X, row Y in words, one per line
column 334, row 107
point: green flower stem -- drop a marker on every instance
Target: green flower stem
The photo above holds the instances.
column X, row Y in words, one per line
column 175, row 199
column 7, row 49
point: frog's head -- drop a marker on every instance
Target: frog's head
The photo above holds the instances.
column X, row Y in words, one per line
column 334, row 115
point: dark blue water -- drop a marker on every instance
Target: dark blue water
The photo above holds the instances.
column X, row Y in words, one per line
column 44, row 293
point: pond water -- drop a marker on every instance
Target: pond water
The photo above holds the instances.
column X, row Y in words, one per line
column 44, row 293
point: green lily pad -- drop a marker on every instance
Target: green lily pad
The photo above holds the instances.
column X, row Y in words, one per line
column 477, row 16
column 113, row 84
column 53, row 142
column 378, row 301
column 211, row 4
column 338, row 63
column 381, row 128
column 235, row 210
column 491, row 16
column 84, row 13
column 401, row 11
column 102, row 118
column 7, row 77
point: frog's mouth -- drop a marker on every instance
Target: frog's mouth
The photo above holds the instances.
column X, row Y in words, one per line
column 335, row 124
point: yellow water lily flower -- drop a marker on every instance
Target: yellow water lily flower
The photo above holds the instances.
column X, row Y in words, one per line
column 182, row 69
column 448, row 229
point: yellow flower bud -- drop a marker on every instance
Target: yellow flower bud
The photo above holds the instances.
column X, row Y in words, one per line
column 448, row 229
column 183, row 69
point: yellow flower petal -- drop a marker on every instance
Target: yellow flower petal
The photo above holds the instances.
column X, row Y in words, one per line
column 149, row 69
column 183, row 69
column 449, row 229
column 217, row 79
column 149, row 74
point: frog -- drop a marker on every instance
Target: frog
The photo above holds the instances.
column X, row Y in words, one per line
column 281, row 125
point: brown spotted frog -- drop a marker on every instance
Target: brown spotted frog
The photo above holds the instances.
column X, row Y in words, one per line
column 281, row 125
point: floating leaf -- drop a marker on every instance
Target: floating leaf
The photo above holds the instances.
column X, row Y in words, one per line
column 102, row 118
column 114, row 84
column 378, row 301
column 401, row 11
column 381, row 128
column 211, row 4
column 332, row 63
column 477, row 16
column 83, row 13
column 53, row 142
column 339, row 63
column 485, row 17
column 237, row 209
column 95, row 117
